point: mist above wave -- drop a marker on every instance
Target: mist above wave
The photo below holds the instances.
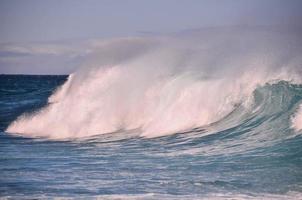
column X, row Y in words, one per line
column 161, row 85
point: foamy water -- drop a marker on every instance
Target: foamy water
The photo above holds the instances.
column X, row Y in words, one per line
column 297, row 119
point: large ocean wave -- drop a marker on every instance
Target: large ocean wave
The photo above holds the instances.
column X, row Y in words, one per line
column 210, row 80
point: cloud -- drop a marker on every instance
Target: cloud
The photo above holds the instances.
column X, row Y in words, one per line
column 42, row 58
column 63, row 57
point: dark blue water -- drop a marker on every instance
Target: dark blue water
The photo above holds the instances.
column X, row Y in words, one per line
column 258, row 157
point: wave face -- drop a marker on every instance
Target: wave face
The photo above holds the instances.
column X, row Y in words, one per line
column 165, row 85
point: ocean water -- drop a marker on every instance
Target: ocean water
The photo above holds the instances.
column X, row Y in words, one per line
column 213, row 114
column 258, row 157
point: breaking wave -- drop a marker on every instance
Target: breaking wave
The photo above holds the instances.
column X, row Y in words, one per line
column 211, row 79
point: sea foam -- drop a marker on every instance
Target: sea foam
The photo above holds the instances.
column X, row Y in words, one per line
column 297, row 119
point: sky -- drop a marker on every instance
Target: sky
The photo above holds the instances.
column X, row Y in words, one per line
column 34, row 31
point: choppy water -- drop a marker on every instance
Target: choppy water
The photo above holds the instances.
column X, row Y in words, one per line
column 259, row 156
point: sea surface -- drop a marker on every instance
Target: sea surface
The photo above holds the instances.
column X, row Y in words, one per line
column 246, row 155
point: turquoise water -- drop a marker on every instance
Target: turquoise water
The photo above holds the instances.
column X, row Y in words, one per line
column 247, row 154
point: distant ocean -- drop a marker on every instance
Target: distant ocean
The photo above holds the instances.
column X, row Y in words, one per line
column 180, row 118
